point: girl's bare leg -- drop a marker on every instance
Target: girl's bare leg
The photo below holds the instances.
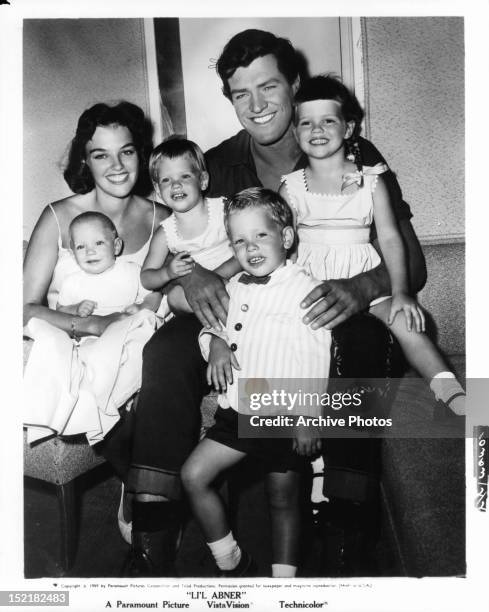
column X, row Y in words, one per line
column 419, row 350
column 423, row 355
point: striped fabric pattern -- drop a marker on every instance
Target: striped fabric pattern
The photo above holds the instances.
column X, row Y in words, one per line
column 271, row 341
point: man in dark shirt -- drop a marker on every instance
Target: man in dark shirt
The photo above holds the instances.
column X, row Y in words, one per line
column 260, row 75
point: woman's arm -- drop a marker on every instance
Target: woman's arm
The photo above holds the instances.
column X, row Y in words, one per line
column 39, row 263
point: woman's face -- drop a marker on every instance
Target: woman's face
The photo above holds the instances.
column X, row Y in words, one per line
column 113, row 160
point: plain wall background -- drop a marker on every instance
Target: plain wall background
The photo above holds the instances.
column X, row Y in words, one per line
column 414, row 70
column 414, row 77
column 69, row 65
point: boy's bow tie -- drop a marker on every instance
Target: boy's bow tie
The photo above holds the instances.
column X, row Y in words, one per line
column 248, row 279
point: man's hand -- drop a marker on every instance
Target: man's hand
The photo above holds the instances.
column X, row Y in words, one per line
column 306, row 442
column 85, row 308
column 222, row 360
column 206, row 295
column 334, row 302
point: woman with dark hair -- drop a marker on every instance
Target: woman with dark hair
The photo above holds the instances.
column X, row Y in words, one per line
column 107, row 171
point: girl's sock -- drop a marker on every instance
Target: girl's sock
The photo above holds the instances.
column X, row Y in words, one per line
column 280, row 570
column 226, row 552
column 447, row 389
column 317, row 481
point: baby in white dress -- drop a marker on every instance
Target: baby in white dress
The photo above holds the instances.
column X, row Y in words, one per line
column 75, row 385
column 103, row 284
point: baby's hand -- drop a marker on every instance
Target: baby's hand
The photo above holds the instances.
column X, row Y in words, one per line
column 133, row 309
column 222, row 360
column 180, row 265
column 85, row 308
column 412, row 311
column 306, row 442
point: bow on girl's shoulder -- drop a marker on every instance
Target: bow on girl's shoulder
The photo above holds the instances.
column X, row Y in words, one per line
column 357, row 177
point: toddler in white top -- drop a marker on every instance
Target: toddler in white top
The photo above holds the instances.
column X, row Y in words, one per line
column 194, row 233
column 335, row 200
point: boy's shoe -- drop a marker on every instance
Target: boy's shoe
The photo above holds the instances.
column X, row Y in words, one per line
column 246, row 568
column 346, row 534
column 152, row 554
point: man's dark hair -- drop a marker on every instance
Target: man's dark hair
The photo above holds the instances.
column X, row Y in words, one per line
column 245, row 47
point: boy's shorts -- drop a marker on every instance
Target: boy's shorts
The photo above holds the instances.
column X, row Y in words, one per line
column 276, row 454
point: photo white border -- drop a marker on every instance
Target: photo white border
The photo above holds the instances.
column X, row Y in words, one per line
column 376, row 594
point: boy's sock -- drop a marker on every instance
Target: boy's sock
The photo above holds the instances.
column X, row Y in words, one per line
column 447, row 389
column 226, row 552
column 280, row 570
column 317, row 481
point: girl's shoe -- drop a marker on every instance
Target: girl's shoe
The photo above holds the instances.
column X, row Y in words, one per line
column 125, row 527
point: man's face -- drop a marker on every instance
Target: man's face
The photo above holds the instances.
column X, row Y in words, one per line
column 262, row 99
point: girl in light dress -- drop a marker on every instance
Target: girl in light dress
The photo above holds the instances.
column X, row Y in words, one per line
column 335, row 200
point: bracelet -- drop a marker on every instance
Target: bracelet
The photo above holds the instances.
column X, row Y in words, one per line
column 74, row 333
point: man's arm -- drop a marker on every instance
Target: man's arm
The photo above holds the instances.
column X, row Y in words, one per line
column 414, row 254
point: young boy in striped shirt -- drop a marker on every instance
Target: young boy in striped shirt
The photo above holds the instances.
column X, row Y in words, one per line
column 265, row 337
